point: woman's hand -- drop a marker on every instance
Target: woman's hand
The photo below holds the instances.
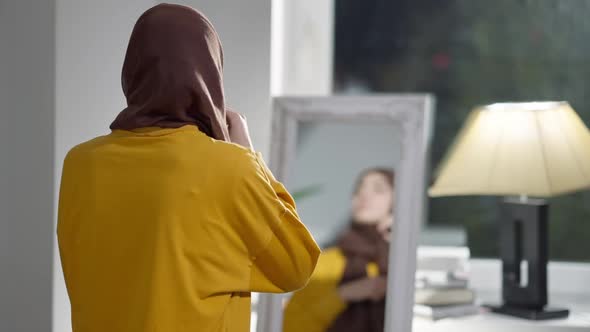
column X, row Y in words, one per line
column 384, row 227
column 373, row 289
column 238, row 129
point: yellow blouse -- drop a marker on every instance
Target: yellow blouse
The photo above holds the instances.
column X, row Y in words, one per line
column 315, row 307
column 168, row 230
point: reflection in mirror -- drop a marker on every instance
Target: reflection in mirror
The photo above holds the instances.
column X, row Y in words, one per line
column 325, row 149
column 343, row 181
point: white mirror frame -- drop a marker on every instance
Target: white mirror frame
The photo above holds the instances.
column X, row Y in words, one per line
column 411, row 112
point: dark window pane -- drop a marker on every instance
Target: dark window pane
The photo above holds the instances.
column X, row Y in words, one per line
column 472, row 52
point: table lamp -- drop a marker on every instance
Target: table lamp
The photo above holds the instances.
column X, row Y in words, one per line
column 520, row 150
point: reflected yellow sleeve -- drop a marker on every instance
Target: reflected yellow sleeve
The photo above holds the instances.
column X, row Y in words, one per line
column 283, row 252
column 315, row 307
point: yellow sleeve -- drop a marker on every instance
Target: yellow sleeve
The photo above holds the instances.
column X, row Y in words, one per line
column 65, row 195
column 67, row 212
column 315, row 307
column 283, row 252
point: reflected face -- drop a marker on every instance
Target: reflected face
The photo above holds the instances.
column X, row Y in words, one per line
column 372, row 202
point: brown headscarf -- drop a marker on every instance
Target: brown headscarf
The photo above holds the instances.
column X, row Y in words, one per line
column 361, row 245
column 172, row 75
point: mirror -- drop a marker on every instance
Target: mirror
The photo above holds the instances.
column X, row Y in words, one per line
column 355, row 166
column 329, row 159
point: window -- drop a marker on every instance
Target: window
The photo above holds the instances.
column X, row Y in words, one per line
column 468, row 53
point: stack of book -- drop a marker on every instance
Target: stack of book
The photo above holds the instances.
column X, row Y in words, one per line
column 442, row 283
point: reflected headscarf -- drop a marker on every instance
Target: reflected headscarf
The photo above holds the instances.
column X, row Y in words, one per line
column 361, row 245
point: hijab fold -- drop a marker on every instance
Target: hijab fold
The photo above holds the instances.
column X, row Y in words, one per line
column 361, row 245
column 172, row 73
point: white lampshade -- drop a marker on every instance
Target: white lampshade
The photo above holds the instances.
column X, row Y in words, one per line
column 537, row 149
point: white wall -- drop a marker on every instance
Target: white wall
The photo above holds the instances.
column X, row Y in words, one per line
column 91, row 41
column 244, row 29
column 302, row 47
column 26, row 164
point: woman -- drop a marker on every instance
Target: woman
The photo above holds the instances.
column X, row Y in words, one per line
column 169, row 222
column 346, row 292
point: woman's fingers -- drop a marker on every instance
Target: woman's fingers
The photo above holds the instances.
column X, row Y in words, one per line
column 379, row 288
column 384, row 227
column 238, row 129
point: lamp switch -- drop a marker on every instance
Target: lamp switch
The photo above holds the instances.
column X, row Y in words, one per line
column 524, row 273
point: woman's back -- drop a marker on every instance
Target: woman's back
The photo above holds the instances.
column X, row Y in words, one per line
column 169, row 230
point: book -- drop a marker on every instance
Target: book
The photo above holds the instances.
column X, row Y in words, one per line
column 434, row 296
column 447, row 311
column 440, row 279
column 442, row 258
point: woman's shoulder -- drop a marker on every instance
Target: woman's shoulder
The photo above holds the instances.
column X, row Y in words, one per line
column 332, row 260
column 82, row 150
column 241, row 162
column 238, row 154
column 333, row 253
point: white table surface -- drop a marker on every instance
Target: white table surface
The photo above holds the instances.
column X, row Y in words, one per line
column 578, row 321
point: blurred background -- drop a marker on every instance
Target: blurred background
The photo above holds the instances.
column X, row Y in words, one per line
column 60, row 63
column 468, row 53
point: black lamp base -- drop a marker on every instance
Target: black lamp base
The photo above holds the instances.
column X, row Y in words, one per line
column 524, row 253
column 532, row 314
